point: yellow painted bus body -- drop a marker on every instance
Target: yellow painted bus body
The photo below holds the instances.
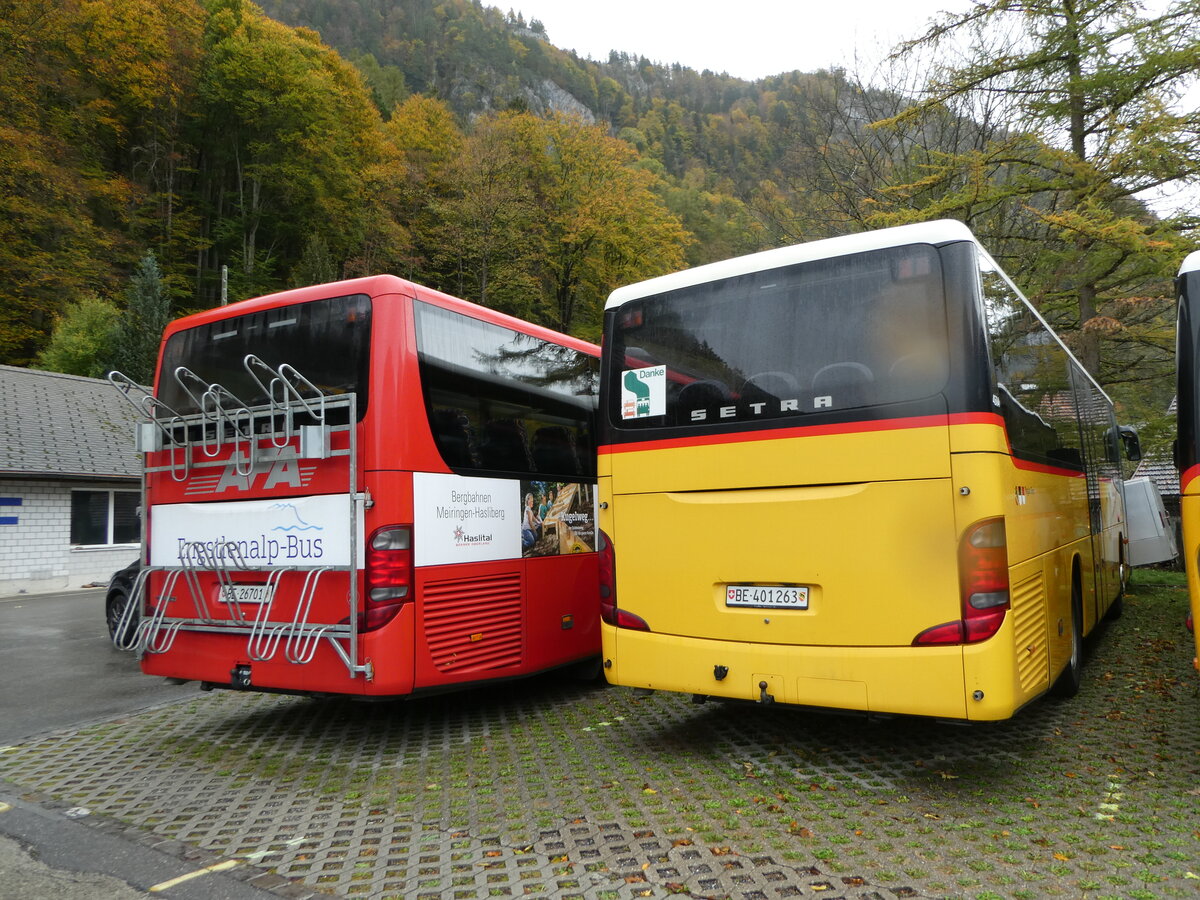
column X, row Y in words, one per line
column 869, row 518
column 1189, row 512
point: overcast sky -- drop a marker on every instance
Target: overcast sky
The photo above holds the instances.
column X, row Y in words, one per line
column 747, row 38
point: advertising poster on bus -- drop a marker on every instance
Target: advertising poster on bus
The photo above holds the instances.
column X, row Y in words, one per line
column 557, row 517
column 466, row 519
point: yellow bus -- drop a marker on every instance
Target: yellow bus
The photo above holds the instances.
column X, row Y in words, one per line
column 1187, row 411
column 861, row 473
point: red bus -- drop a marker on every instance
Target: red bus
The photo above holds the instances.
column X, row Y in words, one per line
column 366, row 488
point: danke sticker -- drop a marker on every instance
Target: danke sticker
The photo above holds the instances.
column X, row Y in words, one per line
column 644, row 392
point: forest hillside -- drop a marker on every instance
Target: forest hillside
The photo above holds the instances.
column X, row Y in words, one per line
column 298, row 141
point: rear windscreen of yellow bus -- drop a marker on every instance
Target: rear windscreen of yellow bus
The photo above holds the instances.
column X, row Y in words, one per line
column 856, row 331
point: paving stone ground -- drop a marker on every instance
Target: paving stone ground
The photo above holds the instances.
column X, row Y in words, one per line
column 556, row 789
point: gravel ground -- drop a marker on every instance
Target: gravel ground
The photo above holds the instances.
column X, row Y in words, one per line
column 570, row 790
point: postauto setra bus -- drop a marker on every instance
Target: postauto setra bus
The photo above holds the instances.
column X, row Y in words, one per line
column 367, row 488
column 1187, row 411
column 860, row 474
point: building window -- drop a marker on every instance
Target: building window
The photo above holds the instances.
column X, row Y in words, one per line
column 101, row 518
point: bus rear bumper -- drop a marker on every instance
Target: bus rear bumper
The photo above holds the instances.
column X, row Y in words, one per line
column 917, row 681
column 221, row 660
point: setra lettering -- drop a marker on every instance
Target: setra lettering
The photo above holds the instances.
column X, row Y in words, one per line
column 758, row 408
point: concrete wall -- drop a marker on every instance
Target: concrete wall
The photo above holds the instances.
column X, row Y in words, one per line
column 36, row 555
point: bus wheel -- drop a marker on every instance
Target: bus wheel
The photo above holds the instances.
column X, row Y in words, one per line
column 1068, row 682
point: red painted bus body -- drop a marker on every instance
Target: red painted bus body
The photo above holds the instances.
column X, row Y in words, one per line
column 338, row 484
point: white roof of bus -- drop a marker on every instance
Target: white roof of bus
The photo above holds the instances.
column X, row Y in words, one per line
column 939, row 232
column 1191, row 263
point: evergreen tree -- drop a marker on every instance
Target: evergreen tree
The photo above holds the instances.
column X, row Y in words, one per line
column 316, row 265
column 139, row 331
column 1088, row 92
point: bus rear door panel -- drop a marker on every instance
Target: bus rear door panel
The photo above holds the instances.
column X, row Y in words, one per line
column 842, row 542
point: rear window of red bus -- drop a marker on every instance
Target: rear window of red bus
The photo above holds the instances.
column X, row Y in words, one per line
column 327, row 341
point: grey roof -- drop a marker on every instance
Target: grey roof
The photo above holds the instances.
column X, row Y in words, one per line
column 64, row 425
column 1162, row 472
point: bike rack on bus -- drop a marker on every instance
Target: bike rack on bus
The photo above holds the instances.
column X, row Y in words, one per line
column 286, row 382
column 153, row 634
column 152, row 433
column 196, row 444
column 216, row 413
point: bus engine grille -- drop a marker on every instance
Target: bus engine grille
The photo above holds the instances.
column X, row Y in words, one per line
column 474, row 623
column 1028, row 606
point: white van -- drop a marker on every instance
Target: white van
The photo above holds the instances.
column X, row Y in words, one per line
column 1151, row 534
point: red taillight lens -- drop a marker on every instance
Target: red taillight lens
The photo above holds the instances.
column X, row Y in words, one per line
column 983, row 566
column 983, row 585
column 389, row 574
column 983, row 577
column 610, row 613
column 608, row 579
column 948, row 633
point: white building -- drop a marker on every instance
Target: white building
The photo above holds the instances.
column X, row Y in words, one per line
column 69, row 481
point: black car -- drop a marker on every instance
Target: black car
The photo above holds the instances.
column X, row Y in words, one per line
column 116, row 598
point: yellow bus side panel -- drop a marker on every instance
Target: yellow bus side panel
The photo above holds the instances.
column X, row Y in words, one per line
column 1041, row 510
column 1046, row 519
column 1190, row 512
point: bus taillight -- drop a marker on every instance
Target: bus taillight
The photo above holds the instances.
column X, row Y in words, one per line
column 983, row 584
column 983, row 576
column 389, row 573
column 608, row 580
column 610, row 613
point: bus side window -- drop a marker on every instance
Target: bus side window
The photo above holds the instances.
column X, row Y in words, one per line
column 452, row 435
column 554, row 451
column 488, row 388
column 1038, row 399
column 503, row 447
